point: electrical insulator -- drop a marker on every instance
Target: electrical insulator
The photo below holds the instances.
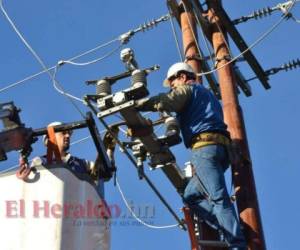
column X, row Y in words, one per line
column 103, row 88
column 138, row 76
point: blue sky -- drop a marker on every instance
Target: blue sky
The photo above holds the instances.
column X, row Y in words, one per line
column 62, row 29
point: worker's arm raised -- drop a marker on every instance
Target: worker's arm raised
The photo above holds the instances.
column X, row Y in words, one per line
column 175, row 101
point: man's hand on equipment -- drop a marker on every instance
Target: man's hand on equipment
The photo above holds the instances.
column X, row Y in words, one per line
column 141, row 105
column 109, row 139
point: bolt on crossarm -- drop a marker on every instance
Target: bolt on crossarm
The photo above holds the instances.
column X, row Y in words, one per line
column 243, row 177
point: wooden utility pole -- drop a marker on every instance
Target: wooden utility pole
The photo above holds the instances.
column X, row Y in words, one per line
column 189, row 36
column 242, row 170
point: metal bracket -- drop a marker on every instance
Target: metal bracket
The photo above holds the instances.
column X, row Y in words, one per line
column 116, row 109
column 137, row 91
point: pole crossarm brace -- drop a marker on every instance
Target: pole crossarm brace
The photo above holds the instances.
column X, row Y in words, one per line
column 241, row 81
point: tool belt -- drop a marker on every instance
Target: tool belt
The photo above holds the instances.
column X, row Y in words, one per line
column 209, row 138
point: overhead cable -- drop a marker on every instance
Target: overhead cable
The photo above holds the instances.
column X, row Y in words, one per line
column 123, row 39
column 295, row 19
column 60, row 90
column 36, row 56
column 51, row 68
column 62, row 62
column 57, row 86
column 291, row 65
column 262, row 37
column 136, row 217
column 223, row 35
column 283, row 7
column 211, row 55
column 175, row 36
column 192, row 30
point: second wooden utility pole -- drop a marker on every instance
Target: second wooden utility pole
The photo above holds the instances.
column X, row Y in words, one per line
column 247, row 202
column 189, row 38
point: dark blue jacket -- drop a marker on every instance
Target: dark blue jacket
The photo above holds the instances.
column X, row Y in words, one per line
column 202, row 113
column 198, row 110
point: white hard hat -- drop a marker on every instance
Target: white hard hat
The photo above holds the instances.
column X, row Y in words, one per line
column 175, row 69
column 52, row 124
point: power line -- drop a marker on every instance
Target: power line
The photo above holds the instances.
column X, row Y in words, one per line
column 285, row 67
column 53, row 67
column 193, row 33
column 57, row 86
column 267, row 11
column 60, row 63
column 36, row 56
column 60, row 90
column 211, row 55
column 123, row 38
column 135, row 216
column 175, row 36
column 262, row 37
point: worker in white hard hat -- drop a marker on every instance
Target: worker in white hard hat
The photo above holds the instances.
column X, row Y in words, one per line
column 176, row 69
column 77, row 165
column 200, row 117
column 62, row 139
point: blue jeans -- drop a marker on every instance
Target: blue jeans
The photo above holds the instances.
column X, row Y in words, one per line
column 207, row 196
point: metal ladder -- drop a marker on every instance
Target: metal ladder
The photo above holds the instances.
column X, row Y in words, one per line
column 194, row 231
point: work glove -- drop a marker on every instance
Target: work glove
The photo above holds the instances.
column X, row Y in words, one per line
column 109, row 139
column 141, row 105
column 147, row 104
column 109, row 144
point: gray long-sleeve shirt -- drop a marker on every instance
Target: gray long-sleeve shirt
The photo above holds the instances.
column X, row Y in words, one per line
column 198, row 110
column 174, row 101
